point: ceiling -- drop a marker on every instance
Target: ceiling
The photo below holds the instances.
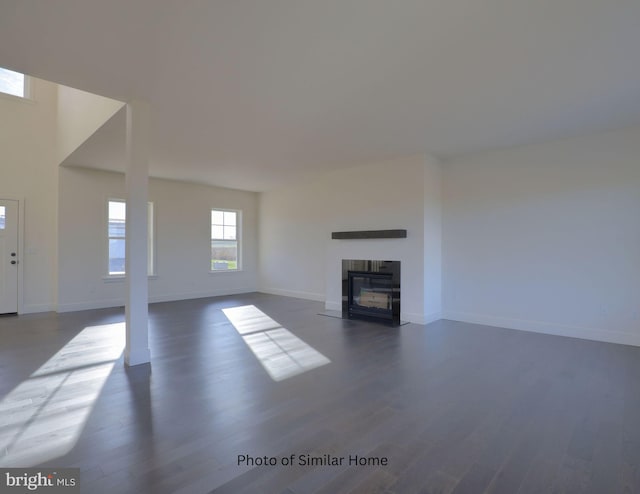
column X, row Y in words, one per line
column 252, row 93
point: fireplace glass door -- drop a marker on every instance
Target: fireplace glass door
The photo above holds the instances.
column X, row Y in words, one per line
column 370, row 294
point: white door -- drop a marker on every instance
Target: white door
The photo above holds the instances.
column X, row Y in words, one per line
column 8, row 256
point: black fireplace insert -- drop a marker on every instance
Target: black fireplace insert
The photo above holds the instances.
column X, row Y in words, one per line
column 371, row 290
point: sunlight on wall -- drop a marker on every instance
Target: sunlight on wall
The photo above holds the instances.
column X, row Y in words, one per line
column 42, row 418
column 281, row 353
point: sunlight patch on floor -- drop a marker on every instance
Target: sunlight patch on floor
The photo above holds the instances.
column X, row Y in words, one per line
column 42, row 418
column 281, row 353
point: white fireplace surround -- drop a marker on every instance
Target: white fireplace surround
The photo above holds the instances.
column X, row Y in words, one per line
column 412, row 308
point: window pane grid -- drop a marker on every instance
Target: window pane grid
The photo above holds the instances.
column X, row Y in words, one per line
column 217, row 232
column 230, row 218
column 224, row 241
column 117, row 229
column 116, row 233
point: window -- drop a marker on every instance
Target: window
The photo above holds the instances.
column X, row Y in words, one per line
column 117, row 219
column 13, row 83
column 3, row 213
column 116, row 231
column 225, row 248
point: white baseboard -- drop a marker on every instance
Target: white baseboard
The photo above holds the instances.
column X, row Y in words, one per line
column 192, row 295
column 333, row 305
column 35, row 308
column 412, row 317
column 138, row 357
column 318, row 297
column 433, row 317
column 88, row 305
column 104, row 304
column 422, row 319
column 546, row 328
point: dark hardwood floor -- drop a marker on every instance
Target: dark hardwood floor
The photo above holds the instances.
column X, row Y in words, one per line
column 455, row 408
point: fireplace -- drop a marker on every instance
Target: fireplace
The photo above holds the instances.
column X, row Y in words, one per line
column 371, row 290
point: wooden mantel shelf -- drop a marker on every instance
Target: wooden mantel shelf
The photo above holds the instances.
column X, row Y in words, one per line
column 362, row 234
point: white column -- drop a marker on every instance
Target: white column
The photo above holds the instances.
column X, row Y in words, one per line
column 137, row 178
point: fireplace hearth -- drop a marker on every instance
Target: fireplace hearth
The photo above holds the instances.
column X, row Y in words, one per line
column 371, row 290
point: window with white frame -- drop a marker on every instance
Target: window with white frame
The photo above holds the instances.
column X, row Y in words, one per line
column 13, row 83
column 225, row 240
column 116, row 231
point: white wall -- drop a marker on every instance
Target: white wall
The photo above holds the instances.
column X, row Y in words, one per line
column 542, row 238
column 28, row 171
column 298, row 257
column 547, row 237
column 432, row 240
column 80, row 114
column 182, row 222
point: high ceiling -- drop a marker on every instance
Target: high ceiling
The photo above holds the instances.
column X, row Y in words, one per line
column 251, row 93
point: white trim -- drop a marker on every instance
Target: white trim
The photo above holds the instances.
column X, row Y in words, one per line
column 239, row 239
column 151, row 234
column 21, row 255
column 138, row 357
column 114, row 278
column 433, row 317
column 121, row 278
column 119, row 302
column 413, row 317
column 596, row 334
column 35, row 308
column 96, row 304
column 318, row 297
column 333, row 306
column 28, row 88
column 191, row 295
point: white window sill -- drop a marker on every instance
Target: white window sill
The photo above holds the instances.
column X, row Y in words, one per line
column 225, row 271
column 116, row 278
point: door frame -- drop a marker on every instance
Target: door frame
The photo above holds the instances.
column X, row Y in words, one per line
column 20, row 200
